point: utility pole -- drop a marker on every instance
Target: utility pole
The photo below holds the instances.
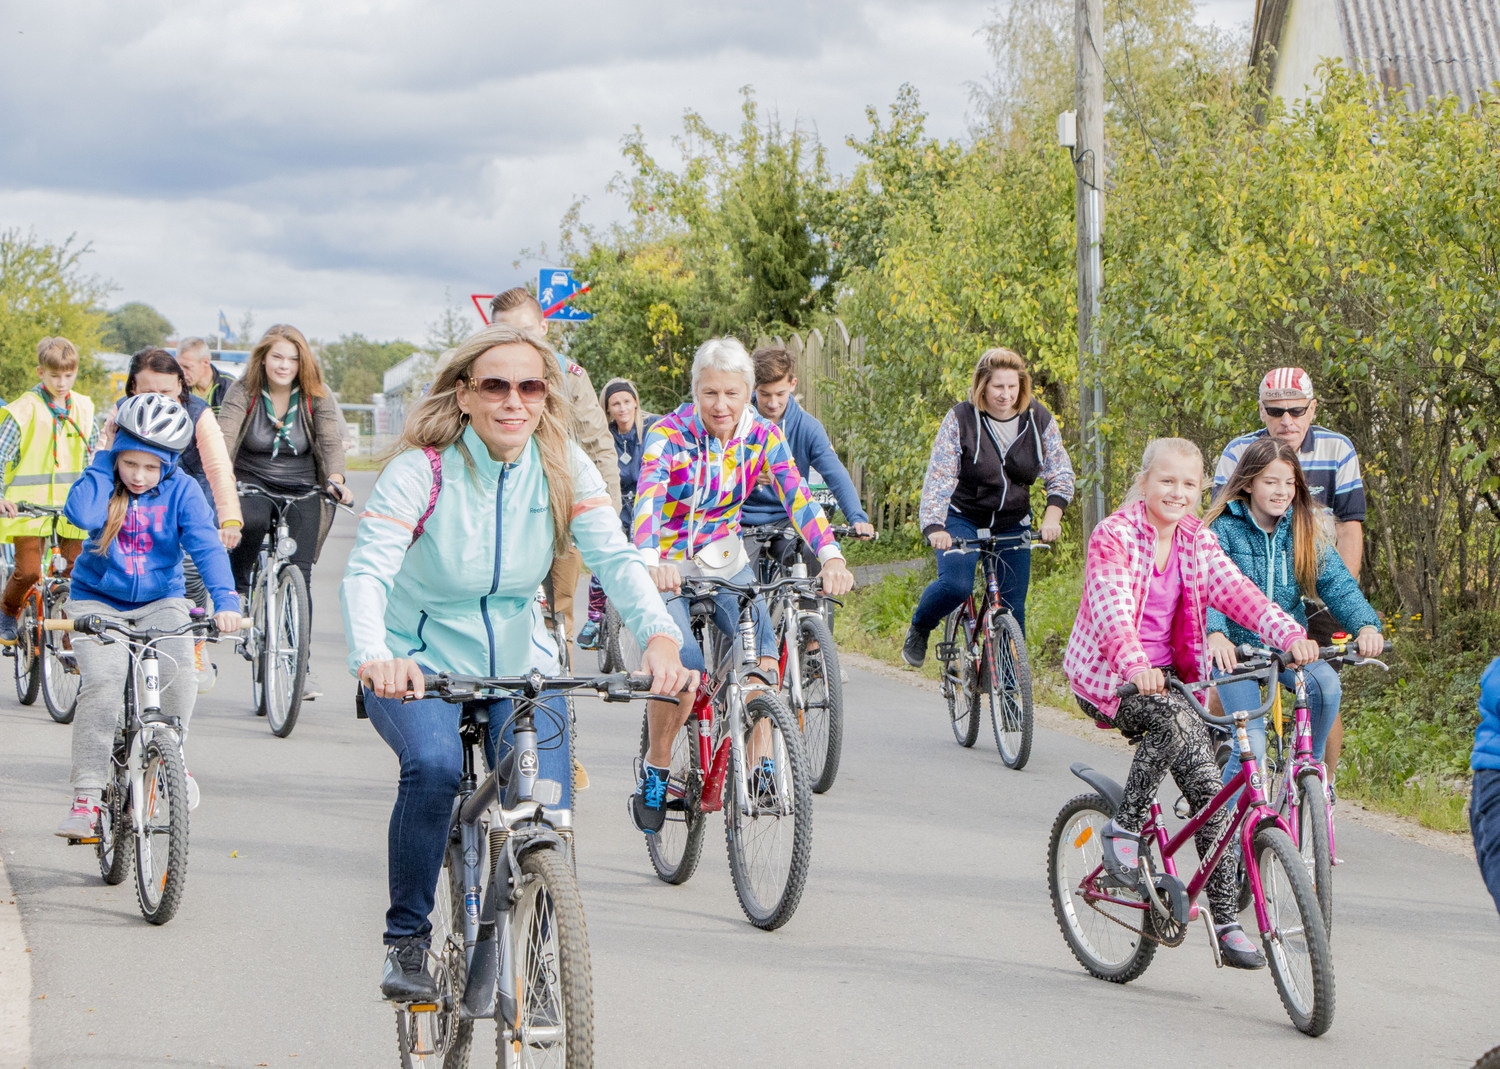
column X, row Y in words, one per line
column 1088, row 167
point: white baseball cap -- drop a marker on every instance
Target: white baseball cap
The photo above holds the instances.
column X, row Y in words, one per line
column 1286, row 384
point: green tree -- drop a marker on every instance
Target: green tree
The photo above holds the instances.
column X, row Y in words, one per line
column 44, row 292
column 135, row 326
column 354, row 365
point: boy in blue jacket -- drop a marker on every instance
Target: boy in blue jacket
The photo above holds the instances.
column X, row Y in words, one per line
column 140, row 511
column 1484, row 803
column 775, row 379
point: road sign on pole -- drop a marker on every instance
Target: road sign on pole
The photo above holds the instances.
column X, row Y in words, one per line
column 482, row 303
column 555, row 290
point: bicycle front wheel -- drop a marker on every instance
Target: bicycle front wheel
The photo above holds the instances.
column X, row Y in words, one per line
column 285, row 650
column 161, row 848
column 675, row 849
column 554, row 1021
column 821, row 715
column 1107, row 938
column 27, row 653
column 610, row 657
column 436, row 1035
column 1313, row 842
column 1007, row 681
column 1297, row 944
column 769, row 832
column 60, row 677
column 959, row 678
column 113, row 829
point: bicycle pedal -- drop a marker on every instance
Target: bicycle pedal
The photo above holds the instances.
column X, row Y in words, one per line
column 947, row 651
column 93, row 840
column 421, row 1007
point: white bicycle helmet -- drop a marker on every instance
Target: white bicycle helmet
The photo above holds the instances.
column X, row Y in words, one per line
column 156, row 420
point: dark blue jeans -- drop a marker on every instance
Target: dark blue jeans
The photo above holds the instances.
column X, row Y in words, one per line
column 955, row 580
column 425, row 736
column 1484, row 819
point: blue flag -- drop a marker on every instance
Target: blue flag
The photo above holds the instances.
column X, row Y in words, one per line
column 224, row 326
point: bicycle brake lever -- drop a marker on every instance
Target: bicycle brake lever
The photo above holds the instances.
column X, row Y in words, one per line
column 1368, row 660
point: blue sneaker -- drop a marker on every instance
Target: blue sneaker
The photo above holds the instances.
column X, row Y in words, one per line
column 648, row 805
column 766, row 792
column 588, row 638
column 8, row 626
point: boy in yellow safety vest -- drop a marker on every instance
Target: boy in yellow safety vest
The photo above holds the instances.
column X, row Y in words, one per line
column 46, row 438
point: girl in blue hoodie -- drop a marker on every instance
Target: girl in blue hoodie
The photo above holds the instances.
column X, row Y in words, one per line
column 141, row 512
column 1265, row 521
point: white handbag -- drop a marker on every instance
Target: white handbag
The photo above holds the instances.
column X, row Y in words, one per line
column 723, row 558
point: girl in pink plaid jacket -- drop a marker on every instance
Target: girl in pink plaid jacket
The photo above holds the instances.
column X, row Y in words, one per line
column 1152, row 571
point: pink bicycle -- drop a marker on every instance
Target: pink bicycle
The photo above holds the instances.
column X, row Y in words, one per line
column 1114, row 931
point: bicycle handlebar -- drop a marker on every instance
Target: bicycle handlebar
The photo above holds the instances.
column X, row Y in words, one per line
column 93, row 624
column 997, row 542
column 287, row 500
column 27, row 508
column 614, row 687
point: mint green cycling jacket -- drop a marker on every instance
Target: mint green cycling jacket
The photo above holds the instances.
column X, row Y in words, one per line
column 462, row 597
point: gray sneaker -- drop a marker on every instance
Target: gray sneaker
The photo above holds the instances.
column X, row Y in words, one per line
column 1122, row 854
column 83, row 819
column 310, row 689
column 914, row 649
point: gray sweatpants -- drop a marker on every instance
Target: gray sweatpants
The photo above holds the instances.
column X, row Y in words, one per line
column 101, row 687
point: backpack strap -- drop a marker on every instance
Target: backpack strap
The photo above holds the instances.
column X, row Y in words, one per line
column 435, row 459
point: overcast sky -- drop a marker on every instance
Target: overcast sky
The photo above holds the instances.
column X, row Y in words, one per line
column 339, row 165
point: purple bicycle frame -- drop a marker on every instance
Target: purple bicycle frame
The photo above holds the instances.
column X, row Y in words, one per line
column 1302, row 761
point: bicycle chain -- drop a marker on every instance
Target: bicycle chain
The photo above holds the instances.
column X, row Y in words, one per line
column 1164, row 930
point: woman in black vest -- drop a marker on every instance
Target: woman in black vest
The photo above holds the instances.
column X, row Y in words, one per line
column 988, row 452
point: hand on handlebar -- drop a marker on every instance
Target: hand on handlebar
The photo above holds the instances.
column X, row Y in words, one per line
column 228, row 622
column 1151, row 681
column 1370, row 642
column 864, row 530
column 392, row 679
column 940, row 540
column 8, row 509
column 1222, row 652
column 662, row 659
column 837, row 578
column 340, row 492
column 667, row 578
column 1303, row 651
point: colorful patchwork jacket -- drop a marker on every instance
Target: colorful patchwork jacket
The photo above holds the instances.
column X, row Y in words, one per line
column 1105, row 651
column 692, row 486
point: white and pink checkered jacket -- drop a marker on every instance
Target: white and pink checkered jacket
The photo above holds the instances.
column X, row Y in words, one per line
column 1105, row 649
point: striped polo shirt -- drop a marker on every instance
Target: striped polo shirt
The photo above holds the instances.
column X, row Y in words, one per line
column 1329, row 463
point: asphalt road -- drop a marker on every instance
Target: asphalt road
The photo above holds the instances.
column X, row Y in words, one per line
column 925, row 936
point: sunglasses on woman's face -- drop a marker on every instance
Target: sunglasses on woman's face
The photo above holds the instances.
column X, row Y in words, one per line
column 494, row 389
column 1277, row 413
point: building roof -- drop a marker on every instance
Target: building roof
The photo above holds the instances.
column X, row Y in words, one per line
column 1433, row 47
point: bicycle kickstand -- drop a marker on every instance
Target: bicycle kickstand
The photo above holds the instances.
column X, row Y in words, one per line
column 1213, row 936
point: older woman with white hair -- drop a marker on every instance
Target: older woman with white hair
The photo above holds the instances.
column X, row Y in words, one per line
column 700, row 464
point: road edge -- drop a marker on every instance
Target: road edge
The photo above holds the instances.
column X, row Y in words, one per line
column 15, row 980
column 1454, row 843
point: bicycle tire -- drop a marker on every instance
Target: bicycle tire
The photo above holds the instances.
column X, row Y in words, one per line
column 958, row 680
column 822, row 714
column 286, row 636
column 1489, row 1060
column 441, row 1038
column 114, row 847
column 1312, row 843
column 1073, row 851
column 674, row 851
column 255, row 641
column 1009, row 689
column 610, row 657
column 550, row 949
column 1298, row 953
column 60, row 681
column 164, row 832
column 26, row 655
column 768, row 889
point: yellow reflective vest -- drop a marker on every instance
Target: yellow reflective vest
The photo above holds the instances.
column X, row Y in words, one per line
column 36, row 477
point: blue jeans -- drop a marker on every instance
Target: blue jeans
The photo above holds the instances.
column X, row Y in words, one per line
column 1484, row 820
column 425, row 736
column 1324, row 693
column 955, row 581
column 726, row 617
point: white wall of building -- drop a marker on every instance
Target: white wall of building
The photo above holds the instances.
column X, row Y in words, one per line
column 1311, row 35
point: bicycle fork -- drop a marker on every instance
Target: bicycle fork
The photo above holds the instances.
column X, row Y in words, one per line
column 149, row 665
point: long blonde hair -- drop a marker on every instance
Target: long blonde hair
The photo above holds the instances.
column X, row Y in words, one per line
column 119, row 505
column 437, row 422
column 1156, row 449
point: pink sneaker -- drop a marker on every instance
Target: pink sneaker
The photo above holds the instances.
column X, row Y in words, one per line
column 83, row 819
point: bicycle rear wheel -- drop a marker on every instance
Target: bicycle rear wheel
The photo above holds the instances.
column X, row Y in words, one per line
column 675, row 849
column 554, row 1023
column 1107, row 939
column 285, row 651
column 27, row 654
column 1007, row 681
column 1313, row 842
column 161, row 849
column 440, row 1037
column 60, row 677
column 770, row 839
column 113, row 829
column 960, row 677
column 821, row 716
column 1297, row 944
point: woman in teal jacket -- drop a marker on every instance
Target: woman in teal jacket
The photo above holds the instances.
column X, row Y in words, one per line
column 459, row 532
column 1265, row 521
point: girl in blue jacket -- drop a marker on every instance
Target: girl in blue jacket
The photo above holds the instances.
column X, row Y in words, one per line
column 1265, row 521
column 141, row 511
column 1484, row 803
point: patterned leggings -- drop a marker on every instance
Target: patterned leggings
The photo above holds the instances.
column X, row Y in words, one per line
column 1174, row 739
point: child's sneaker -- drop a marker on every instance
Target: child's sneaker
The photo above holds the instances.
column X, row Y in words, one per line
column 648, row 803
column 1122, row 854
column 208, row 672
column 588, row 638
column 82, row 820
column 8, row 625
column 192, row 791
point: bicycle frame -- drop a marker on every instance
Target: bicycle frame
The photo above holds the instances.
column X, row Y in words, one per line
column 1302, row 761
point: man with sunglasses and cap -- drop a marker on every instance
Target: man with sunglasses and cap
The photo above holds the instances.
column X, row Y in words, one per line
column 1330, row 464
